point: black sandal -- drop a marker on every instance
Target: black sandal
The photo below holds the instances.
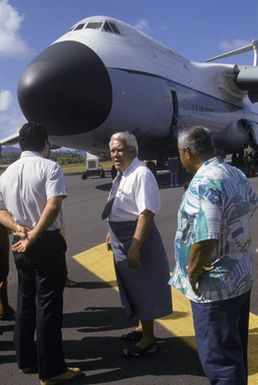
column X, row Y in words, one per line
column 8, row 315
column 132, row 336
column 137, row 351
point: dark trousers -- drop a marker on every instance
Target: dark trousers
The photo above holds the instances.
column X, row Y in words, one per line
column 41, row 278
column 4, row 253
column 4, row 269
column 174, row 178
column 221, row 330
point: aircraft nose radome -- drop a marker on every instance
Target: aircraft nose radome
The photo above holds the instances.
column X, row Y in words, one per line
column 66, row 88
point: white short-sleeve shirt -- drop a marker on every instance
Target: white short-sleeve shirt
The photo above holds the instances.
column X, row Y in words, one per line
column 138, row 190
column 27, row 184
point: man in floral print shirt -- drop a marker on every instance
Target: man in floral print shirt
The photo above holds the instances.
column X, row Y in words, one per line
column 214, row 265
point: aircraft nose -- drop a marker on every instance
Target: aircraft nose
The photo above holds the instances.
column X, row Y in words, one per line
column 66, row 88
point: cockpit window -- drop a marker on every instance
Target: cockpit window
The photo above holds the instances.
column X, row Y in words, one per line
column 94, row 25
column 114, row 27
column 107, row 28
column 110, row 27
column 79, row 26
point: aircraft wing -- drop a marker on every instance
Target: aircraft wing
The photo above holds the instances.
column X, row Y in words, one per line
column 14, row 139
column 10, row 140
column 245, row 76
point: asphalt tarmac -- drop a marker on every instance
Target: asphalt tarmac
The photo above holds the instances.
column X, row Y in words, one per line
column 93, row 318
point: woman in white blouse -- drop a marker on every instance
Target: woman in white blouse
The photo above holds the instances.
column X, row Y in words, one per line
column 141, row 263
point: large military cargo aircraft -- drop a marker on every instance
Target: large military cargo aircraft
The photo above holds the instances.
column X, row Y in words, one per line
column 104, row 76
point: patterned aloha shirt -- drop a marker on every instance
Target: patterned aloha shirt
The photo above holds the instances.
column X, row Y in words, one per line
column 218, row 205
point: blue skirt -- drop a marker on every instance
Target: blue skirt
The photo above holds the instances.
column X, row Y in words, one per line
column 144, row 292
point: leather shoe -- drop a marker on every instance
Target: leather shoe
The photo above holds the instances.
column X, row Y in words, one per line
column 68, row 375
column 29, row 369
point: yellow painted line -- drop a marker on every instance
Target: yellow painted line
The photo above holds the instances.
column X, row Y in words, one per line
column 100, row 263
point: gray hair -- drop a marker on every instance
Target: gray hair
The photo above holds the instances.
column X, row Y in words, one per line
column 197, row 139
column 128, row 139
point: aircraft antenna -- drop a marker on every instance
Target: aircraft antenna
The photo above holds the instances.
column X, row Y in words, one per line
column 252, row 46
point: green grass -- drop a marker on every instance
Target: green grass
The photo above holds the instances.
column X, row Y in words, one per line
column 107, row 165
column 2, row 168
column 80, row 167
column 75, row 167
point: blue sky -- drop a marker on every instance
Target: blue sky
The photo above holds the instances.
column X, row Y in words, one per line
column 197, row 29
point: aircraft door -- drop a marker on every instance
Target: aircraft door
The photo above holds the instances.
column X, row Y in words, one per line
column 175, row 108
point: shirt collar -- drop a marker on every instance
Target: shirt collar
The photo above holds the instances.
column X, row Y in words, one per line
column 131, row 166
column 30, row 153
column 209, row 162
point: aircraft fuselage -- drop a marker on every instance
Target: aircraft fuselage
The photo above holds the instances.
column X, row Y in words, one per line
column 103, row 76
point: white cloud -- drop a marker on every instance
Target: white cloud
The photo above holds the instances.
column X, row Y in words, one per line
column 11, row 117
column 11, row 122
column 231, row 45
column 5, row 100
column 142, row 25
column 11, row 43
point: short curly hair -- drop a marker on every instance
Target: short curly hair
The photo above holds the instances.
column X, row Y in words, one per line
column 197, row 139
column 32, row 137
column 128, row 139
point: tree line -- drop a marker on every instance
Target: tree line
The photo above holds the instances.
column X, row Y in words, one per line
column 61, row 157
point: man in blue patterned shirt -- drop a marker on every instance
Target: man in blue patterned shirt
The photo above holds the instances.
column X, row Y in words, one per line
column 214, row 265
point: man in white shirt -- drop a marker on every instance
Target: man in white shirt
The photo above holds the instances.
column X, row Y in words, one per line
column 32, row 190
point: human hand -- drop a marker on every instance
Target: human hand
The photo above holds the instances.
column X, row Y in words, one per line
column 194, row 277
column 134, row 256
column 108, row 242
column 23, row 244
column 21, row 231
